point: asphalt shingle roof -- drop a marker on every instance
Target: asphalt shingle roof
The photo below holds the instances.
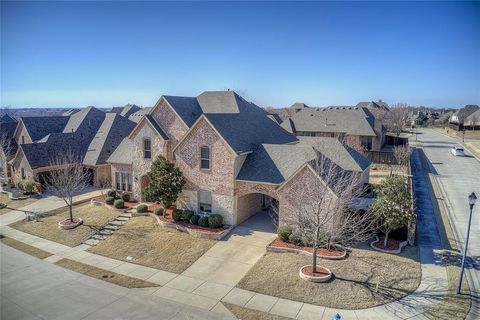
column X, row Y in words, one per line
column 156, row 126
column 123, row 154
column 7, row 129
column 275, row 163
column 39, row 127
column 349, row 120
column 137, row 116
column 187, row 108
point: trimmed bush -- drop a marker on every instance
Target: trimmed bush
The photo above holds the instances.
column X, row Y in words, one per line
column 119, row 204
column 126, row 196
column 203, row 221
column 159, row 211
column 112, row 193
column 142, row 208
column 284, row 232
column 295, row 239
column 215, row 220
column 109, row 200
column 194, row 219
column 186, row 215
column 177, row 214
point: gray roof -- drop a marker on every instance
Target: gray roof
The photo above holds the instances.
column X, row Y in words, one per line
column 275, row 163
column 123, row 154
column 187, row 108
column 241, row 123
column 70, row 112
column 339, row 119
column 92, row 134
column 138, row 115
column 39, row 127
column 475, row 116
column 126, row 110
column 110, row 134
column 156, row 126
column 7, row 130
column 298, row 106
column 464, row 112
column 373, row 105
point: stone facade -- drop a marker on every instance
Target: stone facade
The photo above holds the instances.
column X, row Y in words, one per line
column 173, row 126
column 21, row 162
column 140, row 165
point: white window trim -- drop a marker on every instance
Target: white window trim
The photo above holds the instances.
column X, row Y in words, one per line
column 211, row 202
column 207, row 159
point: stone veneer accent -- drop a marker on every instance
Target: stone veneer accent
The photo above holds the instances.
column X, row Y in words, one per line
column 140, row 165
column 21, row 162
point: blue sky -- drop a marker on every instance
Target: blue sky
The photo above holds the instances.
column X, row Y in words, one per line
column 64, row 54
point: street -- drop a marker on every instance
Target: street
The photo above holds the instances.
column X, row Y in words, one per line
column 458, row 177
column 35, row 289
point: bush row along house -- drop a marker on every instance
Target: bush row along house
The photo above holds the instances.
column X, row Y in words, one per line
column 236, row 158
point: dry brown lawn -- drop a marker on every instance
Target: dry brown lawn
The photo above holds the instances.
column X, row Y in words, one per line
column 354, row 283
column 28, row 249
column 249, row 314
column 153, row 246
column 115, row 278
column 94, row 218
column 15, row 204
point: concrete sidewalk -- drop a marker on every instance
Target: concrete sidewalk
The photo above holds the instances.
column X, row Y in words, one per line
column 212, row 278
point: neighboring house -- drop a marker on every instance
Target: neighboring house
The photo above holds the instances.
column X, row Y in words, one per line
column 126, row 110
column 7, row 143
column 357, row 126
column 472, row 122
column 91, row 134
column 235, row 158
column 458, row 118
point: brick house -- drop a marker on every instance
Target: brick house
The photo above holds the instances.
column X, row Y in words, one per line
column 357, row 126
column 89, row 133
column 236, row 159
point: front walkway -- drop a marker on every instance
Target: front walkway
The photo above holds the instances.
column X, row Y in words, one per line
column 229, row 260
column 212, row 278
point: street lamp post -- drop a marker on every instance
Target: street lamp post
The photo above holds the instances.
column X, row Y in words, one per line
column 471, row 201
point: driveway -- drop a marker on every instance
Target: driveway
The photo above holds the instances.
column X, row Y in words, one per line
column 229, row 260
column 458, row 177
column 34, row 289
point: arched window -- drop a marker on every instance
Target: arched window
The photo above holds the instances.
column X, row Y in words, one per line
column 147, row 149
column 204, row 157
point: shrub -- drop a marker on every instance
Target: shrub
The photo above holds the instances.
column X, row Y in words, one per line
column 295, row 239
column 194, row 219
column 203, row 221
column 284, row 232
column 215, row 220
column 159, row 211
column 177, row 214
column 109, row 200
column 119, row 204
column 29, row 187
column 126, row 196
column 186, row 215
column 142, row 208
column 112, row 193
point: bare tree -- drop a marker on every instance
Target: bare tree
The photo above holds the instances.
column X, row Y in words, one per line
column 7, row 148
column 398, row 118
column 402, row 154
column 67, row 178
column 327, row 216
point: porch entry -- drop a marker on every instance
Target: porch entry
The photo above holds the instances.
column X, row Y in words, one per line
column 257, row 203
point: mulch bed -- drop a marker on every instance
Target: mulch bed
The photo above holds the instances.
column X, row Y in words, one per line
column 321, row 272
column 334, row 252
column 68, row 222
column 194, row 227
column 392, row 244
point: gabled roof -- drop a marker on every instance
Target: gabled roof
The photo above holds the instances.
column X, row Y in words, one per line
column 110, row 134
column 39, row 127
column 276, row 163
column 474, row 116
column 138, row 115
column 126, row 110
column 298, row 106
column 374, row 105
column 339, row 119
column 123, row 154
column 156, row 126
column 87, row 119
column 241, row 124
column 7, row 130
column 464, row 112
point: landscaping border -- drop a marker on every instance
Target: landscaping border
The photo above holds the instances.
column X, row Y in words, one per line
column 396, row 251
column 271, row 248
column 196, row 233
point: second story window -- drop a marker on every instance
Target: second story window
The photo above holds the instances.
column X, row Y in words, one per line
column 366, row 142
column 204, row 158
column 23, row 139
column 147, row 149
column 23, row 174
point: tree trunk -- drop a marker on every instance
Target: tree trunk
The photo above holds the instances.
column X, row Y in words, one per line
column 385, row 241
column 314, row 264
